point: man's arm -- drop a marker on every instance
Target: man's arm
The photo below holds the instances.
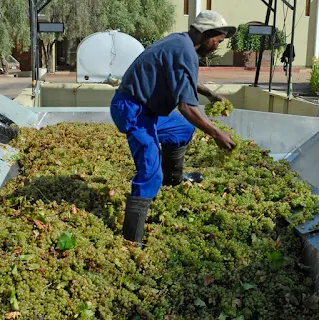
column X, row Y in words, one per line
column 195, row 117
column 212, row 97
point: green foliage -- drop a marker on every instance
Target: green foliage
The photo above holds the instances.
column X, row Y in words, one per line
column 14, row 27
column 209, row 250
column 146, row 20
column 314, row 80
column 249, row 286
column 84, row 310
column 66, row 241
column 243, row 41
column 13, row 300
column 146, row 42
column 211, row 59
column 276, row 259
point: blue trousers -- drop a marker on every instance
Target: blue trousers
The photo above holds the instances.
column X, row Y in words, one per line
column 145, row 131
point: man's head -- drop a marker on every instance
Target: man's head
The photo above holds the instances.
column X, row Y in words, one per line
column 208, row 30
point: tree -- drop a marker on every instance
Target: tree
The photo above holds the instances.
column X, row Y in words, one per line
column 14, row 27
column 146, row 20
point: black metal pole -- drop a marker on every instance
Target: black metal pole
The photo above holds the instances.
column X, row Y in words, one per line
column 273, row 39
column 33, row 30
column 43, row 5
column 38, row 56
column 262, row 44
column 289, row 89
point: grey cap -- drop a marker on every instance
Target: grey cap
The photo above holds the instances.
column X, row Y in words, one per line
column 212, row 20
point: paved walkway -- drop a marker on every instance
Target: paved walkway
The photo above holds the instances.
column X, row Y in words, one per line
column 11, row 86
column 300, row 79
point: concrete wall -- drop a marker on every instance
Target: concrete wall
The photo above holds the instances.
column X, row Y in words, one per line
column 277, row 102
column 76, row 95
column 243, row 97
column 100, row 95
column 234, row 92
column 243, row 11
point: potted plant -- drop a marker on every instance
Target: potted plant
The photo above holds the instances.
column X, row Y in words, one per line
column 314, row 80
column 246, row 46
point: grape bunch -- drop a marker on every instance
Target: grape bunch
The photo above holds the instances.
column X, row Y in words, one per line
column 219, row 108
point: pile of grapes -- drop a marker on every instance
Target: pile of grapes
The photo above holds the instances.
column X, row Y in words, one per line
column 219, row 108
column 216, row 250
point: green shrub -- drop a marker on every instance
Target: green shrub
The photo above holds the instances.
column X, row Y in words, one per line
column 314, row 80
column 212, row 59
column 243, row 41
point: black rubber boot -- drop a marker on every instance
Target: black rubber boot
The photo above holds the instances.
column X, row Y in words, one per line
column 173, row 166
column 135, row 216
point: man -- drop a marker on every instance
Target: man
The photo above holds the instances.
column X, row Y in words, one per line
column 162, row 77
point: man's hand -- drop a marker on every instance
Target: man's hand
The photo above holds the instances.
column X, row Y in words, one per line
column 224, row 140
column 195, row 117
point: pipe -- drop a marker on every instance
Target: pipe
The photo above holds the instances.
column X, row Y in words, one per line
column 289, row 87
column 33, row 31
column 273, row 39
column 198, row 7
column 262, row 44
column 316, row 53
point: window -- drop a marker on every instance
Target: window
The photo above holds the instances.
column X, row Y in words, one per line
column 209, row 5
column 307, row 13
column 186, row 7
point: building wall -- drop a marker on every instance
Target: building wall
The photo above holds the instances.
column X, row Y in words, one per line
column 243, row 11
column 181, row 20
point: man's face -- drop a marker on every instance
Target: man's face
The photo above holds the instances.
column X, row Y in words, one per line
column 210, row 45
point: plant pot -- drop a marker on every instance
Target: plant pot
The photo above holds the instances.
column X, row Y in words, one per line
column 249, row 59
column 266, row 61
column 245, row 59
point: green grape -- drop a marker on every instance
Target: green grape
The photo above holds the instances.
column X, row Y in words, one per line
column 219, row 108
column 205, row 243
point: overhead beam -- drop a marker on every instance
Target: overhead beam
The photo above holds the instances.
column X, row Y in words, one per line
column 287, row 4
column 268, row 5
column 40, row 3
column 262, row 44
column 45, row 3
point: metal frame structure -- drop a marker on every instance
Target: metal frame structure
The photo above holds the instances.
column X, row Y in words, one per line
column 272, row 7
column 35, row 7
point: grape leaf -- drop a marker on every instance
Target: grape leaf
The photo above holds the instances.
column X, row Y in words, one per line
column 33, row 266
column 200, row 303
column 248, row 286
column 14, row 269
column 66, row 241
column 13, row 300
column 27, row 257
column 222, row 316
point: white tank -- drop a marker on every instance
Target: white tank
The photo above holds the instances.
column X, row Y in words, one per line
column 105, row 56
